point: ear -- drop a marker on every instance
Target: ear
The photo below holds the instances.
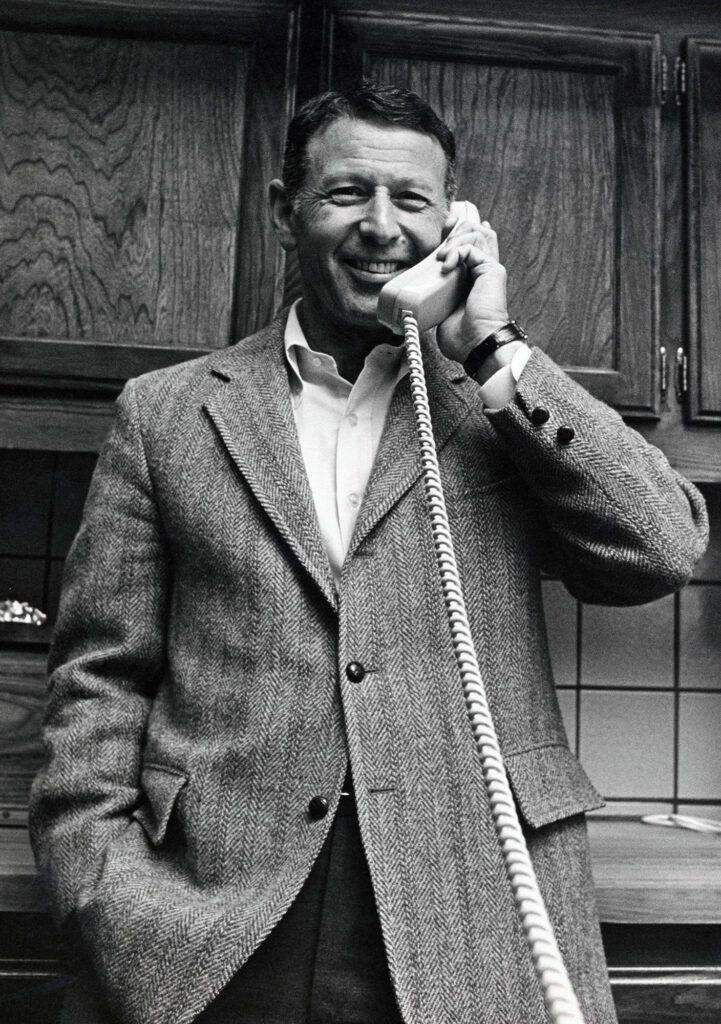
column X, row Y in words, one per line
column 281, row 213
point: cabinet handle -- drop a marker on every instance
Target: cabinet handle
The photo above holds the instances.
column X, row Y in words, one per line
column 663, row 372
column 681, row 374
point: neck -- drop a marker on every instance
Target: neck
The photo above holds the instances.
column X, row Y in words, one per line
column 349, row 345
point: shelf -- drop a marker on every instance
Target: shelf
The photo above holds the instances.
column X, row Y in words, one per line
column 648, row 874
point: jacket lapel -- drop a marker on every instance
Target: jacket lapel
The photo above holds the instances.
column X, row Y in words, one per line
column 251, row 410
column 398, row 462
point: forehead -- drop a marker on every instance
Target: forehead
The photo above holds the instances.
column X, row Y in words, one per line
column 384, row 153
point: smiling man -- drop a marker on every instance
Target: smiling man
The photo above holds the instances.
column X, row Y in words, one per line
column 261, row 801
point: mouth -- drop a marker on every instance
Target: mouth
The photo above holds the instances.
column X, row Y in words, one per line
column 375, row 270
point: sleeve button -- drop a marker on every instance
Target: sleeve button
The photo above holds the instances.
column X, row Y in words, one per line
column 565, row 435
column 539, row 416
column 318, row 808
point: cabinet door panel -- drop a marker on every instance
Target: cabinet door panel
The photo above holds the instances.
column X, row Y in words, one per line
column 558, row 137
column 120, row 191
column 703, row 177
column 133, row 225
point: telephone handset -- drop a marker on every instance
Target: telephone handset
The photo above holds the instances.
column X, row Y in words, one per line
column 423, row 290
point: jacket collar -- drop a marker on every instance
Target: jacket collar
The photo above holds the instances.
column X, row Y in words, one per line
column 252, row 412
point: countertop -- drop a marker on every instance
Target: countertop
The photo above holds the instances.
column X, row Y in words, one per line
column 644, row 874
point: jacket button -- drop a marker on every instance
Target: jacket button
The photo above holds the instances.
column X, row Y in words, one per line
column 355, row 671
column 318, row 808
column 565, row 435
column 539, row 416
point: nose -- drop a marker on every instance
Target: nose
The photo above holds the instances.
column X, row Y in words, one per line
column 380, row 221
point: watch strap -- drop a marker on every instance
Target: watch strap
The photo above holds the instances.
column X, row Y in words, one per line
column 502, row 336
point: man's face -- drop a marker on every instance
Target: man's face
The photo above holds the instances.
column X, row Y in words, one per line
column 373, row 203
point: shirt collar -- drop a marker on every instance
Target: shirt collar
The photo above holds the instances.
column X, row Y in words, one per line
column 387, row 360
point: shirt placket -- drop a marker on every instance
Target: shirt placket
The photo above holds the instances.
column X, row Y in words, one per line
column 354, row 456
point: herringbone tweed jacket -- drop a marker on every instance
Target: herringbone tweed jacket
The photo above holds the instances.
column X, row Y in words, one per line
column 199, row 698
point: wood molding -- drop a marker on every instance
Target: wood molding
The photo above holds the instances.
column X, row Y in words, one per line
column 83, row 365
column 228, row 20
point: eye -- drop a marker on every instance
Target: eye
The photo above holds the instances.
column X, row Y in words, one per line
column 346, row 195
column 411, row 200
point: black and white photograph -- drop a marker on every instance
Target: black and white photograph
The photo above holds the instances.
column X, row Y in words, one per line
column 360, row 512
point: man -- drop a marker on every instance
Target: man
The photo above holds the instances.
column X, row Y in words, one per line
column 252, row 617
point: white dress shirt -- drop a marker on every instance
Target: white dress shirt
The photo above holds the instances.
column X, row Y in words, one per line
column 340, row 425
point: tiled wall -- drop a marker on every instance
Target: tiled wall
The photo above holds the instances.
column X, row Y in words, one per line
column 640, row 688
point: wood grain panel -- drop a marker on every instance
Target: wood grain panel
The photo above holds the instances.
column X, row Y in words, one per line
column 703, row 156
column 58, row 424
column 648, row 874
column 648, row 996
column 22, row 700
column 537, row 158
column 119, row 188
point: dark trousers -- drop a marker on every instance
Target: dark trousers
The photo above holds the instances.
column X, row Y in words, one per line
column 324, row 963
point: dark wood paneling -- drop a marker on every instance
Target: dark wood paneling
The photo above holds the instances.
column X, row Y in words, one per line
column 667, row 996
column 120, row 192
column 703, row 163
column 66, row 424
column 82, row 365
column 132, row 198
column 558, row 136
column 22, row 701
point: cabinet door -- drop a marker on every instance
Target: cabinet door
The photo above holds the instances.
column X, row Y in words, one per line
column 558, row 140
column 133, row 225
column 703, row 178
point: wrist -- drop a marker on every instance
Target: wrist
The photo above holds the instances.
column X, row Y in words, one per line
column 502, row 336
column 497, row 360
column 482, row 329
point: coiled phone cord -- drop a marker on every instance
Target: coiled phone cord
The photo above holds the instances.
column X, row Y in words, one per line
column 558, row 994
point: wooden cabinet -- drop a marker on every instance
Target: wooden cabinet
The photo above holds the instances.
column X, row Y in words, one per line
column 591, row 144
column 558, row 135
column 702, row 373
column 132, row 197
column 133, row 230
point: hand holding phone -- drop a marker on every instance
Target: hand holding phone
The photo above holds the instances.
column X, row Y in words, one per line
column 460, row 286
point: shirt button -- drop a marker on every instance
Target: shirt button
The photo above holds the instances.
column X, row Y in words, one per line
column 565, row 435
column 318, row 808
column 316, row 360
column 354, row 499
column 539, row 416
column 355, row 671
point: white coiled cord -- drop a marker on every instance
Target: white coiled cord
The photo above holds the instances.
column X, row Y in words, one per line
column 558, row 994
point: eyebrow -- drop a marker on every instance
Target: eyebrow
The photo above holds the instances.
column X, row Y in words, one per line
column 358, row 178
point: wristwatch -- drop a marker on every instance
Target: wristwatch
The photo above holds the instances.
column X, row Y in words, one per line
column 502, row 336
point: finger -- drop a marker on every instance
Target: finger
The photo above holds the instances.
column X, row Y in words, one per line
column 468, row 253
column 492, row 239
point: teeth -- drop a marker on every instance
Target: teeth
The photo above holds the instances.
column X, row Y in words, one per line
column 373, row 267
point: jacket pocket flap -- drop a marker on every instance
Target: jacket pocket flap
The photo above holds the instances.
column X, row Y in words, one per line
column 549, row 784
column 161, row 785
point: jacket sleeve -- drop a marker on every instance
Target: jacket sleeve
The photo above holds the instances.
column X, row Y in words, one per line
column 105, row 661
column 622, row 526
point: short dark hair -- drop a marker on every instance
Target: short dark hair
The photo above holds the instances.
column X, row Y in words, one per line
column 366, row 101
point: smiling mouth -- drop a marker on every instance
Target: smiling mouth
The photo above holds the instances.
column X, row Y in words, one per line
column 383, row 268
